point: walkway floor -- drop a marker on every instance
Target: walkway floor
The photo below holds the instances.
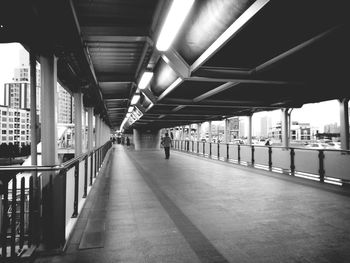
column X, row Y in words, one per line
column 190, row 209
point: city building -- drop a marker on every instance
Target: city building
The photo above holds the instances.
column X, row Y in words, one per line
column 65, row 105
column 14, row 125
column 298, row 131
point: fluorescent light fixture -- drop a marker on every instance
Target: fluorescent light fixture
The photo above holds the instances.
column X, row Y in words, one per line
column 145, row 79
column 176, row 16
column 135, row 99
column 128, row 115
column 131, row 108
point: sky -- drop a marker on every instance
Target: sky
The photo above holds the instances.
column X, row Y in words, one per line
column 317, row 114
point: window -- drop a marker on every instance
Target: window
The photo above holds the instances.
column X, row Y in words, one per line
column 23, row 132
column 4, row 119
column 4, row 125
column 10, row 113
column 10, row 138
column 4, row 113
column 10, row 119
column 23, row 126
column 11, row 126
column 3, row 132
column 10, row 131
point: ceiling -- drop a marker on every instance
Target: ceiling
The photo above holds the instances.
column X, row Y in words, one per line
column 230, row 58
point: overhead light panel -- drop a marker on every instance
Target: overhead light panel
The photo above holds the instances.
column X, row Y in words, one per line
column 145, row 79
column 135, row 99
column 176, row 16
column 131, row 108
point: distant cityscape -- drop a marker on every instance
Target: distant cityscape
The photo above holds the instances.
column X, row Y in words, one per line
column 15, row 104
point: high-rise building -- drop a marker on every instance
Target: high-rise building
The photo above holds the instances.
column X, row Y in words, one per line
column 65, row 102
column 14, row 125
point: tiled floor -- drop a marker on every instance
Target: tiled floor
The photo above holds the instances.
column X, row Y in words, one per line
column 145, row 208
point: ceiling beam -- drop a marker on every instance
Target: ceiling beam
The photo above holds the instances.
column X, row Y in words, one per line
column 217, row 90
column 113, row 77
column 235, row 27
column 264, row 66
column 245, row 80
column 176, row 62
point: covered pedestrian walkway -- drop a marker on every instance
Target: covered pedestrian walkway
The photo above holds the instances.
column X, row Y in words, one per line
column 144, row 208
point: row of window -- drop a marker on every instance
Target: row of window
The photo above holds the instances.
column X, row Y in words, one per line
column 16, row 138
column 23, row 132
column 16, row 113
column 16, row 125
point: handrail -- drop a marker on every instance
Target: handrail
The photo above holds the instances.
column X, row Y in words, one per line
column 44, row 168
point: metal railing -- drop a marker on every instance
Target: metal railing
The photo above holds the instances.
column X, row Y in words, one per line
column 323, row 165
column 28, row 217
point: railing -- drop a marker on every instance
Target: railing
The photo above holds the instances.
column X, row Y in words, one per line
column 28, row 217
column 324, row 165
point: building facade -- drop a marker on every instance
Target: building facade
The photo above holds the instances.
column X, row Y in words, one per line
column 14, row 126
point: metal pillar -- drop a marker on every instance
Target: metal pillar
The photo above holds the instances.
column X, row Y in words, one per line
column 33, row 147
column 78, row 134
column 209, row 132
column 344, row 124
column 285, row 128
column 226, row 133
column 199, row 126
column 97, row 121
column 90, row 128
column 49, row 110
column 53, row 201
column 250, row 128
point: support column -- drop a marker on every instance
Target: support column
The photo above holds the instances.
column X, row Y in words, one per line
column 226, row 132
column 199, row 127
column 285, row 128
column 97, row 121
column 209, row 132
column 53, row 208
column 90, row 128
column 78, row 119
column 33, row 146
column 250, row 129
column 344, row 124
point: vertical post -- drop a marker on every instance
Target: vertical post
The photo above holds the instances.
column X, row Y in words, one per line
column 226, row 137
column 33, row 144
column 270, row 158
column 239, row 153
column 13, row 216
column 86, row 162
column 209, row 132
column 78, row 110
column 250, row 128
column 292, row 163
column 76, row 189
column 321, row 170
column 344, row 124
column 210, row 149
column 285, row 139
column 52, row 184
column 199, row 126
column 218, row 150
column 21, row 213
column 227, row 152
column 253, row 150
column 97, row 122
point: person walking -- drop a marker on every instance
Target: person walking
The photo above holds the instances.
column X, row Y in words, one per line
column 166, row 142
column 127, row 142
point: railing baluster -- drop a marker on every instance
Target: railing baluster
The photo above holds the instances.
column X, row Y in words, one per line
column 22, row 201
column 227, row 151
column 197, row 146
column 76, row 190
column 203, row 148
column 85, row 176
column 239, row 153
column 210, row 149
column 5, row 222
column 31, row 213
column 91, row 167
column 321, row 170
column 292, row 163
column 253, row 150
column 218, row 150
column 13, row 216
column 270, row 157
